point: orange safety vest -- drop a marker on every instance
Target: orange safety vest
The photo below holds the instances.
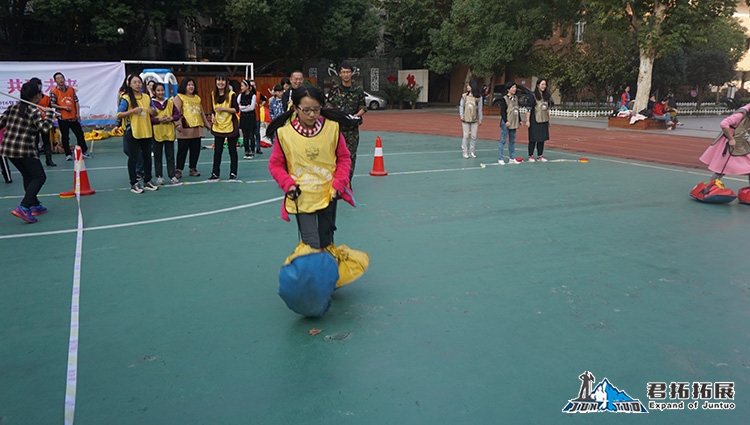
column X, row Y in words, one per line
column 67, row 98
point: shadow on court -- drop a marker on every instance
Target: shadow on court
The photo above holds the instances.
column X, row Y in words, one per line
column 490, row 291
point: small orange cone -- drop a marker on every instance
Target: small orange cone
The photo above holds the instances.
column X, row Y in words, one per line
column 85, row 185
column 378, row 168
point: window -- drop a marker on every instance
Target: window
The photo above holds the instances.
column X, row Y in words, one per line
column 580, row 26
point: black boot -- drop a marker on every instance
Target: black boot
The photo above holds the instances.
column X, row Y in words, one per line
column 49, row 161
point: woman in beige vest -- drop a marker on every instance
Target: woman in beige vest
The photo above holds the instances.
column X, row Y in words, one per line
column 470, row 111
column 510, row 120
column 537, row 119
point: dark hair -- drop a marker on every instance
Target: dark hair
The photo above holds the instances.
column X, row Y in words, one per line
column 278, row 87
column 129, row 91
column 220, row 98
column 157, row 84
column 474, row 89
column 36, row 81
column 285, row 81
column 315, row 93
column 508, row 85
column 56, row 74
column 182, row 88
column 28, row 91
column 346, row 65
column 249, row 86
column 263, row 98
column 538, row 95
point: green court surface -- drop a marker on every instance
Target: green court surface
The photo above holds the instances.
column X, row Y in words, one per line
column 490, row 291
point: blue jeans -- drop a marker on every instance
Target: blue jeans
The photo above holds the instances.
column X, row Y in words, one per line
column 666, row 118
column 505, row 133
column 257, row 136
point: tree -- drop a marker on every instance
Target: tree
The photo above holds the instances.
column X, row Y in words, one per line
column 609, row 56
column 407, row 29
column 708, row 68
column 659, row 27
column 488, row 35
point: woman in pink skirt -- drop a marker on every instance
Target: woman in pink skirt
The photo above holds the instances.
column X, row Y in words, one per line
column 735, row 158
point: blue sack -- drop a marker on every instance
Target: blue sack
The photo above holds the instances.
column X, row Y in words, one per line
column 307, row 282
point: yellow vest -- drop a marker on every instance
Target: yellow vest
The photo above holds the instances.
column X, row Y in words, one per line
column 223, row 120
column 164, row 132
column 311, row 161
column 191, row 110
column 140, row 124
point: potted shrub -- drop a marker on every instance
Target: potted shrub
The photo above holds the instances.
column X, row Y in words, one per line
column 392, row 94
column 412, row 94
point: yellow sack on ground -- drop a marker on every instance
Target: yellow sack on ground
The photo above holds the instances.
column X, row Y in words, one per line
column 352, row 263
column 96, row 135
column 302, row 249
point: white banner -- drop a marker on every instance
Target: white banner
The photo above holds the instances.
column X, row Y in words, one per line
column 97, row 85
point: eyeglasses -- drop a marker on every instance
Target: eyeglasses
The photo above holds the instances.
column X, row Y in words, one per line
column 309, row 111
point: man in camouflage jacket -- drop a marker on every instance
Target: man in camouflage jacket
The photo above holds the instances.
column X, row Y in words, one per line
column 349, row 98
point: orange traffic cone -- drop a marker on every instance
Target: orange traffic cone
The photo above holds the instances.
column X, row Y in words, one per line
column 378, row 168
column 85, row 185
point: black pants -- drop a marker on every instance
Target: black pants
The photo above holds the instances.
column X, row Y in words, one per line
column 316, row 229
column 33, row 179
column 138, row 147
column 539, row 148
column 185, row 145
column 166, row 148
column 247, row 125
column 65, row 127
column 46, row 145
column 219, row 149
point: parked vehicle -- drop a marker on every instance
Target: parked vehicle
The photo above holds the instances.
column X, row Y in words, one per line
column 374, row 102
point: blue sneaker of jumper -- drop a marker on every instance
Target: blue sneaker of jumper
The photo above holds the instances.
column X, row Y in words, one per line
column 37, row 210
column 24, row 214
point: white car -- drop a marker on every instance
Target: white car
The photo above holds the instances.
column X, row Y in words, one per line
column 374, row 102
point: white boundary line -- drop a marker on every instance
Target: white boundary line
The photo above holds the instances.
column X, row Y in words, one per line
column 139, row 223
column 397, row 173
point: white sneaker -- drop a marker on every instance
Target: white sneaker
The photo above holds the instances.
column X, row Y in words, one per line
column 466, row 156
column 150, row 186
column 471, row 154
column 160, row 181
column 68, row 157
column 512, row 161
column 136, row 188
column 174, row 180
column 531, row 159
column 542, row 158
column 500, row 162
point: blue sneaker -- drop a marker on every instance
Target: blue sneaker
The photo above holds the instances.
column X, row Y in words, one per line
column 24, row 214
column 37, row 210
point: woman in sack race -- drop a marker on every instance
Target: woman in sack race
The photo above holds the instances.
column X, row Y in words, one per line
column 730, row 153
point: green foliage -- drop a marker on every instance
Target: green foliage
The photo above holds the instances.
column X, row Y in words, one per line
column 708, row 68
column 408, row 27
column 659, row 26
column 488, row 35
column 395, row 94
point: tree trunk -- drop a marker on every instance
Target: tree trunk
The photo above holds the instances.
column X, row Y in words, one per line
column 645, row 71
column 468, row 78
